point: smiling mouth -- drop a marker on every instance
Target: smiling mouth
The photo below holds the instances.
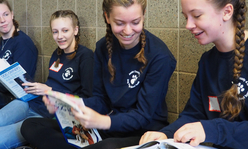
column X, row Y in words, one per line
column 61, row 42
column 127, row 36
column 198, row 34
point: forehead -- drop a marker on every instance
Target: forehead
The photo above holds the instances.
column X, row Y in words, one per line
column 195, row 5
column 61, row 23
column 121, row 12
column 3, row 8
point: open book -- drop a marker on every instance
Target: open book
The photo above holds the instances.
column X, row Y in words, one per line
column 12, row 77
column 74, row 133
column 166, row 144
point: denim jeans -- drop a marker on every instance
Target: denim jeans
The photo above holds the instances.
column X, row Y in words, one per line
column 11, row 117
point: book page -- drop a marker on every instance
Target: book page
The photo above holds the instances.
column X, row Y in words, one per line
column 13, row 77
column 166, row 144
column 73, row 131
column 3, row 64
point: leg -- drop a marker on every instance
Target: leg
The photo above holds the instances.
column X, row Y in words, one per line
column 13, row 112
column 11, row 118
column 113, row 143
column 5, row 98
column 44, row 134
column 11, row 136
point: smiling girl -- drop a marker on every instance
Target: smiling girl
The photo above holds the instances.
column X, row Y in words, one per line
column 70, row 71
column 216, row 111
column 131, row 74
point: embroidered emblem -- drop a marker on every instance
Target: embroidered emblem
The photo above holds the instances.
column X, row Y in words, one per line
column 214, row 104
column 68, row 74
column 242, row 88
column 133, row 81
column 7, row 54
column 56, row 69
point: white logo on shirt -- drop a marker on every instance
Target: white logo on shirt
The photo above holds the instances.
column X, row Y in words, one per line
column 7, row 54
column 242, row 88
column 67, row 75
column 214, row 104
column 132, row 82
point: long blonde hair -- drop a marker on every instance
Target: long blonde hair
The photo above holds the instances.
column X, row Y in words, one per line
column 107, row 8
column 75, row 22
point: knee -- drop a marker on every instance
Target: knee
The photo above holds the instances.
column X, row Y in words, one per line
column 26, row 125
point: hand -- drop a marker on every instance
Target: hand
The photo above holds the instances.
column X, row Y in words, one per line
column 50, row 107
column 151, row 136
column 36, row 88
column 192, row 132
column 92, row 119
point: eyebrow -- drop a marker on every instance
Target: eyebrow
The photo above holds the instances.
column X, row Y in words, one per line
column 132, row 20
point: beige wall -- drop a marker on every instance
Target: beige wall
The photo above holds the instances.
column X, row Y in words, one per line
column 163, row 18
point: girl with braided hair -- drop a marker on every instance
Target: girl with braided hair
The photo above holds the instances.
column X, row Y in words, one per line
column 70, row 71
column 15, row 46
column 131, row 73
column 216, row 111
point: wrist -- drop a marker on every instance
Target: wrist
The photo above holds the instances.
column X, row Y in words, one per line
column 106, row 122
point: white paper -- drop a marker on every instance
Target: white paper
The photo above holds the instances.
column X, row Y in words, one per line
column 3, row 64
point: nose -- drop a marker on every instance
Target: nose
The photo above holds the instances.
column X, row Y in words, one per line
column 2, row 19
column 190, row 24
column 60, row 35
column 128, row 29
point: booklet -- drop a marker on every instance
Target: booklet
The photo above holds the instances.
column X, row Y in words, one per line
column 167, row 144
column 74, row 133
column 12, row 77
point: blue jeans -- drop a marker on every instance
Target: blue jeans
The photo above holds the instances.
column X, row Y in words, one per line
column 11, row 117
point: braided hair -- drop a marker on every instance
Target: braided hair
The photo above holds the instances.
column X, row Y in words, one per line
column 75, row 21
column 107, row 8
column 15, row 23
column 232, row 102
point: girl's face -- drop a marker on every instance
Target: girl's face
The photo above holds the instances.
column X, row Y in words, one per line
column 126, row 24
column 64, row 33
column 6, row 22
column 203, row 20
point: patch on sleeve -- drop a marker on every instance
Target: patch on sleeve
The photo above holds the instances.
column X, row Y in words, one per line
column 214, row 104
column 56, row 69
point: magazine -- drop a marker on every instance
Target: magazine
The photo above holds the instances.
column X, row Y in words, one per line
column 74, row 133
column 12, row 77
column 167, row 144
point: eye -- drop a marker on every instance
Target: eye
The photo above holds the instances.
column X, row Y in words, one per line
column 136, row 22
column 6, row 14
column 119, row 24
column 54, row 32
column 66, row 30
column 197, row 16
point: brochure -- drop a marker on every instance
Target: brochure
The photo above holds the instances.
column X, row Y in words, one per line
column 12, row 77
column 74, row 133
column 167, row 144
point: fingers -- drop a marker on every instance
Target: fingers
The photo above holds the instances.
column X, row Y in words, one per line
column 151, row 136
column 50, row 107
column 192, row 132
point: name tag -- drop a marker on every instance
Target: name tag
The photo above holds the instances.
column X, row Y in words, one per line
column 214, row 104
column 56, row 69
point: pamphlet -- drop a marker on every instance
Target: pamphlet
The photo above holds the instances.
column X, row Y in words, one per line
column 74, row 133
column 167, row 144
column 12, row 77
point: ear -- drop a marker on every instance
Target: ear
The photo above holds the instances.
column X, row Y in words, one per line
column 106, row 17
column 228, row 12
column 76, row 30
